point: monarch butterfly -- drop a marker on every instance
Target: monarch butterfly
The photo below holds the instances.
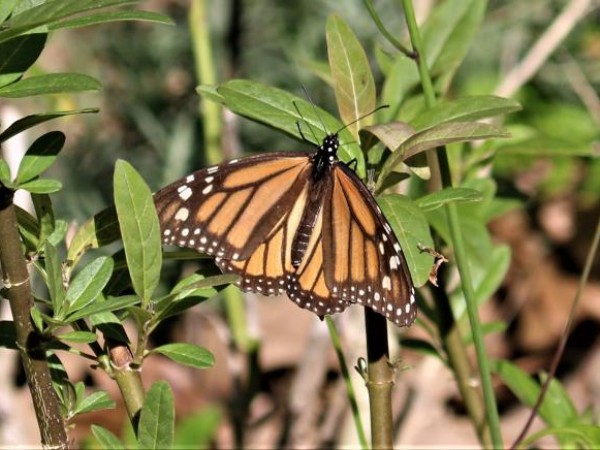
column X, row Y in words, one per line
column 296, row 223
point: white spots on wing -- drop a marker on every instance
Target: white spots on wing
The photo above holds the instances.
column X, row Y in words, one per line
column 233, row 161
column 182, row 214
column 394, row 262
column 377, row 296
column 212, row 169
column 203, row 240
column 381, row 248
column 197, row 231
column 185, row 232
column 207, row 189
column 235, row 256
column 167, row 232
column 190, row 178
column 184, row 191
column 386, row 283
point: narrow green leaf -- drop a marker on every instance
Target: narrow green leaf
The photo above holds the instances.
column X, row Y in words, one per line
column 94, row 402
column 402, row 78
column 440, row 198
column 30, row 121
column 6, row 7
column 88, row 284
column 40, row 155
column 421, row 346
column 41, row 186
column 353, row 80
column 54, row 280
column 465, row 109
column 411, row 228
column 18, row 55
column 284, row 111
column 53, row 83
column 157, row 421
column 442, row 134
column 527, row 391
column 187, row 354
column 36, row 317
column 5, row 176
column 29, row 230
column 42, row 204
column 138, row 222
column 84, row 337
column 106, row 439
column 571, row 436
column 108, row 17
column 111, row 304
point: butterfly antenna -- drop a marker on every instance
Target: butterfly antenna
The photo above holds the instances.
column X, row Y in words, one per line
column 362, row 117
column 314, row 109
column 306, row 122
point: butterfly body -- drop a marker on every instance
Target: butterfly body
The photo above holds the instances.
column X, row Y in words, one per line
column 295, row 223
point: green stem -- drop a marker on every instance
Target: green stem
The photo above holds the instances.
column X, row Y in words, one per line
column 205, row 73
column 457, row 240
column 335, row 340
column 384, row 31
column 18, row 292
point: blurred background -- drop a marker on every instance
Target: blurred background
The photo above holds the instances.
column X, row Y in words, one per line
column 289, row 391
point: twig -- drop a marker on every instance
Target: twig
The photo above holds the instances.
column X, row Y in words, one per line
column 543, row 48
column 583, row 88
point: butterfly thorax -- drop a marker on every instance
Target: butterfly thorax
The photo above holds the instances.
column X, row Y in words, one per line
column 325, row 156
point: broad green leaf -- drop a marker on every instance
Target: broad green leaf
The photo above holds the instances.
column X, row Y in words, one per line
column 94, row 402
column 392, row 134
column 102, row 229
column 139, row 226
column 110, row 326
column 440, row 198
column 84, row 337
column 40, row 155
column 157, row 418
column 5, row 176
column 110, row 304
column 57, row 236
column 88, row 283
column 465, row 109
column 556, row 410
column 39, row 16
column 402, row 78
column 198, row 430
column 187, row 354
column 6, row 7
column 353, row 81
column 41, row 186
column 18, row 55
column 411, row 228
column 106, row 439
column 30, row 121
column 54, row 83
column 106, row 17
column 442, row 134
column 284, row 111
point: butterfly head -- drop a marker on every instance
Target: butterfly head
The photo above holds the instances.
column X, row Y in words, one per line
column 325, row 156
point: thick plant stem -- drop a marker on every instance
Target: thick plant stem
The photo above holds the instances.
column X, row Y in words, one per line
column 18, row 291
column 380, row 380
column 127, row 376
column 442, row 170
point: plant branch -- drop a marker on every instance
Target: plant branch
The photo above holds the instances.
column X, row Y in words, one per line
column 18, row 291
column 384, row 31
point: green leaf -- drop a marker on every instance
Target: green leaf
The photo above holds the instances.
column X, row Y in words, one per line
column 111, row 304
column 572, row 436
column 54, row 280
column 442, row 134
column 352, row 77
column 106, row 439
column 187, row 354
column 30, row 121
column 36, row 317
column 465, row 109
column 440, row 198
column 412, row 230
column 392, row 134
column 88, row 284
column 84, row 337
column 116, row 16
column 42, row 204
column 18, row 55
column 139, row 226
column 94, row 402
column 284, row 111
column 399, row 82
column 29, row 230
column 53, row 83
column 5, row 176
column 40, row 155
column 6, row 8
column 199, row 429
column 41, row 186
column 421, row 346
column 157, row 422
column 556, row 410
